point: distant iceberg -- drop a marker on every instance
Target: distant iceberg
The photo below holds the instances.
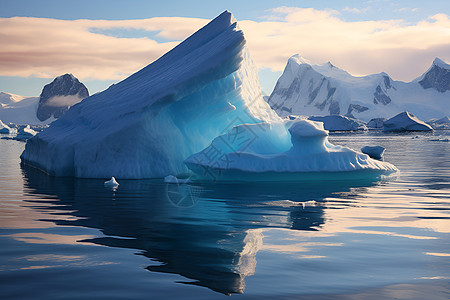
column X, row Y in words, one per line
column 340, row 123
column 442, row 123
column 4, row 128
column 405, row 121
column 306, row 156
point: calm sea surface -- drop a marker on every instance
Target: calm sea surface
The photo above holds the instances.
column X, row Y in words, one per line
column 65, row 238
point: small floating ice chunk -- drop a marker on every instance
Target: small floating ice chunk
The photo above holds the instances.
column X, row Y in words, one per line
column 111, row 183
column 308, row 203
column 373, row 151
column 440, row 140
column 4, row 128
column 24, row 133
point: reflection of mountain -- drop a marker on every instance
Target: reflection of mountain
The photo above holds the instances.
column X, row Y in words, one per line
column 213, row 242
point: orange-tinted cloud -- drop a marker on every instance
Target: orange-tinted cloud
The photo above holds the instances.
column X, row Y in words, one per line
column 49, row 47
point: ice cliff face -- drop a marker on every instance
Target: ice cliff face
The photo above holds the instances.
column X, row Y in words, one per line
column 146, row 125
column 437, row 77
column 305, row 88
column 59, row 95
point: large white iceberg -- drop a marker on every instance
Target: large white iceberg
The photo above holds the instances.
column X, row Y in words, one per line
column 146, row 125
column 200, row 97
column 247, row 153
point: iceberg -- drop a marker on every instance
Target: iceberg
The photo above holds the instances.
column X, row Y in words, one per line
column 112, row 183
column 440, row 124
column 5, row 128
column 340, row 123
column 198, row 108
column 25, row 132
column 374, row 151
column 146, row 125
column 308, row 155
column 376, row 123
column 405, row 121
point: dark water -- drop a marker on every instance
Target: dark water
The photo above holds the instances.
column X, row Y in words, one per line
column 62, row 238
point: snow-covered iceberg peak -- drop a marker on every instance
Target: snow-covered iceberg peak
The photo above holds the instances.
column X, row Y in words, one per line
column 308, row 137
column 405, row 121
column 308, row 156
column 146, row 125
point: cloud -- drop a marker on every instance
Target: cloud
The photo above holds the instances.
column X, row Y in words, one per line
column 49, row 47
column 63, row 101
column 356, row 10
column 403, row 9
column 401, row 49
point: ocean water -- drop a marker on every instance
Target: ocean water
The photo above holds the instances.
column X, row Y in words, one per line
column 65, row 238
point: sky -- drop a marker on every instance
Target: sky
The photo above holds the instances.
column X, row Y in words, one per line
column 104, row 41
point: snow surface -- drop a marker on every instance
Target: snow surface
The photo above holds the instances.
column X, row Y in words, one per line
column 306, row 88
column 440, row 124
column 339, row 123
column 148, row 124
column 405, row 121
column 20, row 110
column 444, row 120
column 373, row 151
column 5, row 128
column 309, row 156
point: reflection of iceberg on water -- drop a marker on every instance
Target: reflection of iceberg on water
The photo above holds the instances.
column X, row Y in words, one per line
column 198, row 106
column 212, row 243
column 222, row 267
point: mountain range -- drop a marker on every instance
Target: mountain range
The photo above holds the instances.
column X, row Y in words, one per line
column 306, row 88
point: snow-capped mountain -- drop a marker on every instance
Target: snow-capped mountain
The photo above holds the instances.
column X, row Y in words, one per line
column 19, row 109
column 305, row 88
column 7, row 99
column 59, row 95
column 437, row 77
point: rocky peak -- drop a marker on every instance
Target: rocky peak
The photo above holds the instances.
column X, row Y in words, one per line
column 59, row 95
column 437, row 76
